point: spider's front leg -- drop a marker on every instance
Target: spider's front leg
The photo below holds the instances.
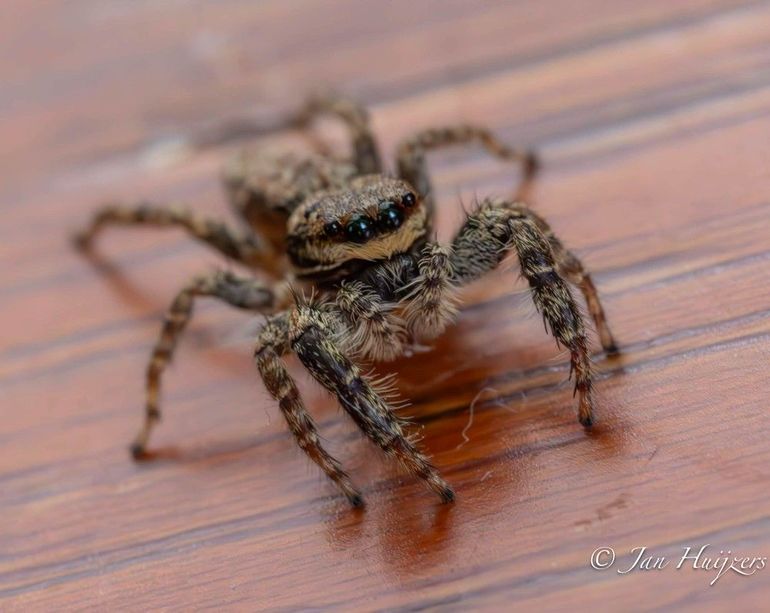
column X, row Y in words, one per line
column 239, row 292
column 272, row 343
column 312, row 335
column 500, row 226
column 572, row 269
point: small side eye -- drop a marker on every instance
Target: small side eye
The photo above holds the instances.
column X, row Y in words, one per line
column 333, row 228
column 359, row 230
column 391, row 216
column 409, row 200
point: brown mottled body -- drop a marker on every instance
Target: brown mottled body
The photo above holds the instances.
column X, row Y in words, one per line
column 362, row 241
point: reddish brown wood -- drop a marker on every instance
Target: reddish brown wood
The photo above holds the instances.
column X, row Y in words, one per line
column 653, row 122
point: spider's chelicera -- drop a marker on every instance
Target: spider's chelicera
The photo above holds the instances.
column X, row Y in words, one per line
column 361, row 241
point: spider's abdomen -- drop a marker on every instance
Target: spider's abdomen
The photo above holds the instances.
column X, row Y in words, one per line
column 266, row 188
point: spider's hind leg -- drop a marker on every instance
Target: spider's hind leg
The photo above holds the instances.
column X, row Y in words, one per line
column 239, row 292
column 356, row 118
column 412, row 154
column 498, row 227
column 312, row 334
column 241, row 246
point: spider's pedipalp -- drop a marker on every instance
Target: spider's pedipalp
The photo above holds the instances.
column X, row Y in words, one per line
column 432, row 295
column 374, row 331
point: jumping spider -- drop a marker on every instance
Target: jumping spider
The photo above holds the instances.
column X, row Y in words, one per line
column 362, row 241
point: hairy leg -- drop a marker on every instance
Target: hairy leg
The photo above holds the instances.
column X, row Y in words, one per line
column 376, row 332
column 412, row 163
column 311, row 332
column 480, row 245
column 242, row 247
column 239, row 292
column 571, row 268
column 356, row 119
column 432, row 296
column 272, row 343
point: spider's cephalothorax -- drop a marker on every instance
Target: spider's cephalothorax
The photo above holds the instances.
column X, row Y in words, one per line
column 361, row 241
column 336, row 232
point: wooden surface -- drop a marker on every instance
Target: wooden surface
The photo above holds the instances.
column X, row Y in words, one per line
column 653, row 119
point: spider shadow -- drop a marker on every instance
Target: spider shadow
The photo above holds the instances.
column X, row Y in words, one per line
column 180, row 454
column 128, row 291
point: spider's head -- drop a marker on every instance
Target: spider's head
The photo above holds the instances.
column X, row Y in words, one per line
column 372, row 219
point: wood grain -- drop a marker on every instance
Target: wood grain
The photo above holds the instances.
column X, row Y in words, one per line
column 654, row 123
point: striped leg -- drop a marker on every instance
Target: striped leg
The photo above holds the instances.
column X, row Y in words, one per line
column 239, row 292
column 571, row 268
column 272, row 343
column 493, row 230
column 242, row 247
column 311, row 333
column 412, row 163
column 356, row 119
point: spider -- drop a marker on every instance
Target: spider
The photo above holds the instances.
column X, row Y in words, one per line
column 362, row 241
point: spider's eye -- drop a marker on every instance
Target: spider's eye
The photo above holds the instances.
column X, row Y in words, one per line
column 359, row 230
column 409, row 200
column 390, row 217
column 333, row 228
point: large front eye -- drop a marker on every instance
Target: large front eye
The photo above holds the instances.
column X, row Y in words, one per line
column 359, row 230
column 391, row 216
